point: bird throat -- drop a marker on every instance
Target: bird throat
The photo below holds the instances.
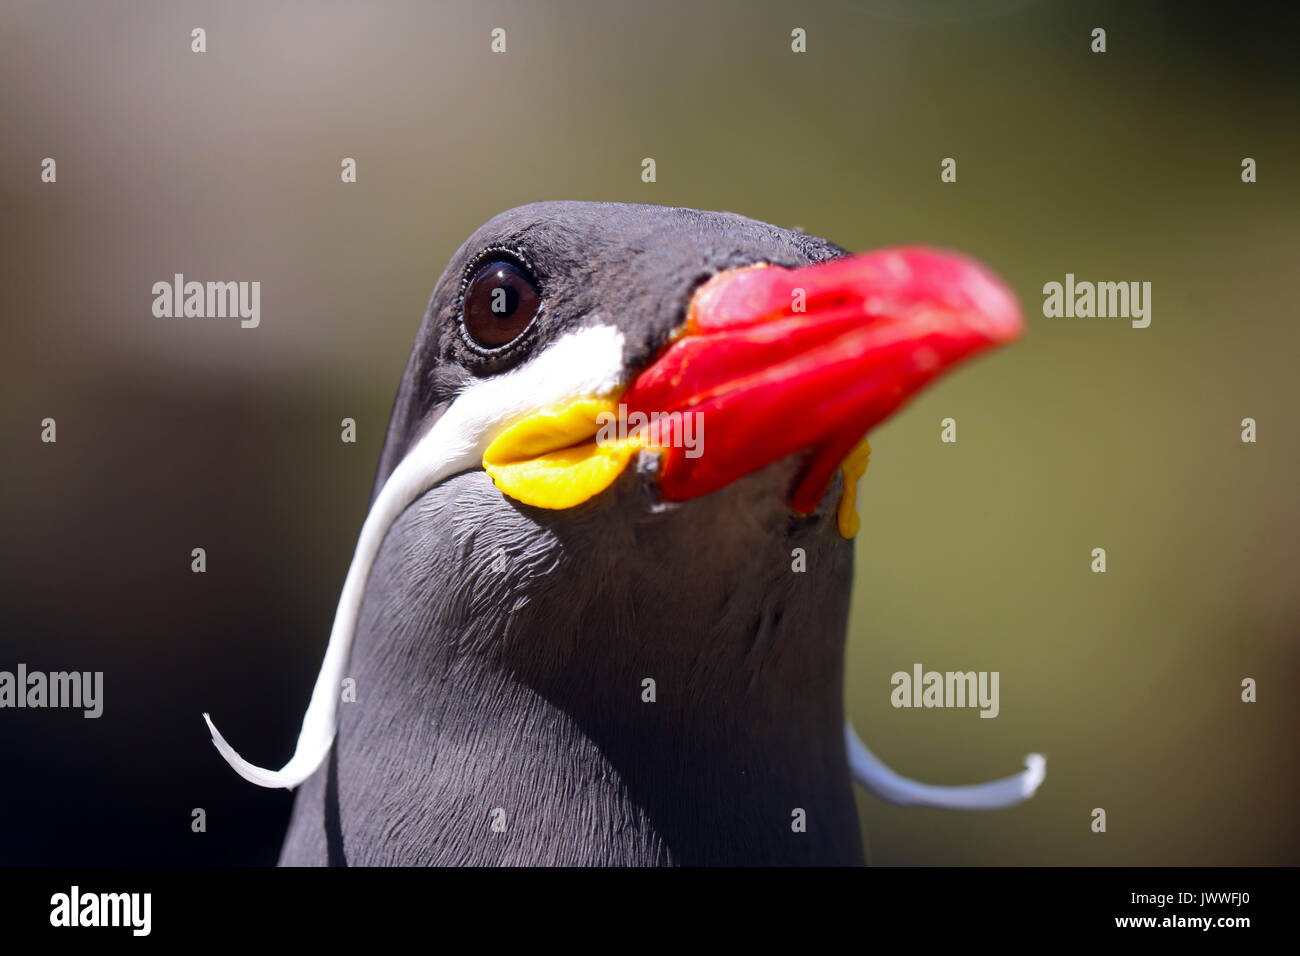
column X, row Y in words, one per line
column 618, row 706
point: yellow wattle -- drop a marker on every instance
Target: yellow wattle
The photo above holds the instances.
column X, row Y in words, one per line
column 853, row 467
column 551, row 459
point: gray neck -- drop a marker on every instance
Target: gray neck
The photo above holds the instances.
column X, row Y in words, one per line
column 506, row 719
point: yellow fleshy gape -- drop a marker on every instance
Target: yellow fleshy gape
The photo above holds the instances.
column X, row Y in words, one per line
column 853, row 467
column 551, row 459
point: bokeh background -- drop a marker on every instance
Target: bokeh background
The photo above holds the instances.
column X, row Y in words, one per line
column 175, row 434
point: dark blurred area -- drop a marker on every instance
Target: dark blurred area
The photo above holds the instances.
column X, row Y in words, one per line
column 182, row 433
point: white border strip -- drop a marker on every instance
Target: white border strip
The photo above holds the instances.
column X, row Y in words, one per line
column 869, row 771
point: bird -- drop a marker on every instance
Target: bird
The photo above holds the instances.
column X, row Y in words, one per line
column 573, row 644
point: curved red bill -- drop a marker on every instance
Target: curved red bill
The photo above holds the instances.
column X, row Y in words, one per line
column 776, row 361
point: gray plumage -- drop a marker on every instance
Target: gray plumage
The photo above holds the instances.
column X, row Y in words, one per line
column 520, row 690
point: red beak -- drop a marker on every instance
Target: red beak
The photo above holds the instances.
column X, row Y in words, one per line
column 777, row 361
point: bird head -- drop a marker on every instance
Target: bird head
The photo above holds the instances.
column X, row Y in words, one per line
column 643, row 410
column 570, row 341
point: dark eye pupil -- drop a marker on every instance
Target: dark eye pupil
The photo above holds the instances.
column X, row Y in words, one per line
column 500, row 300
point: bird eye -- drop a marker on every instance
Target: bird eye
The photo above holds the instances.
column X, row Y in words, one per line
column 500, row 300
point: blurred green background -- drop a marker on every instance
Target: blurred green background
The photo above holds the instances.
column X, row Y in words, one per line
column 175, row 434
